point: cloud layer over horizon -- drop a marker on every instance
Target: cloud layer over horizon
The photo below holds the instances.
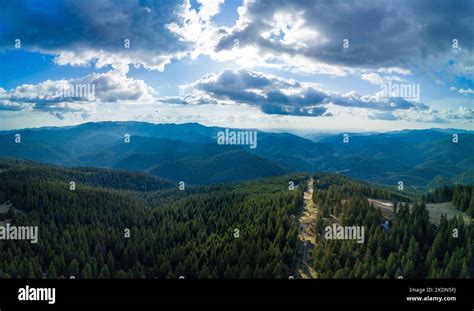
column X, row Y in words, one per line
column 307, row 58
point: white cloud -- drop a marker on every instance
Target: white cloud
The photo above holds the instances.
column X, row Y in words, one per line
column 196, row 26
column 84, row 32
column 467, row 91
column 377, row 79
column 77, row 96
column 397, row 70
column 373, row 78
column 387, row 37
column 276, row 96
column 430, row 116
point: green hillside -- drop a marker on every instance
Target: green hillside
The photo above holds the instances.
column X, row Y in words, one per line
column 233, row 166
column 82, row 233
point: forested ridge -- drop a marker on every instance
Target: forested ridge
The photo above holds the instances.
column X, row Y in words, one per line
column 105, row 178
column 423, row 159
column 241, row 230
column 407, row 246
column 333, row 190
column 173, row 233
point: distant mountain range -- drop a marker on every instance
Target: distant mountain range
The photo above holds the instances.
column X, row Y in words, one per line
column 422, row 159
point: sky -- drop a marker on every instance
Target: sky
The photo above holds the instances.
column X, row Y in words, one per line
column 305, row 66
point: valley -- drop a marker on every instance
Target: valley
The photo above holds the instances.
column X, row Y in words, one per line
column 421, row 159
column 236, row 216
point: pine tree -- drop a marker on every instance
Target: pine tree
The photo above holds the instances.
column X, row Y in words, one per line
column 86, row 273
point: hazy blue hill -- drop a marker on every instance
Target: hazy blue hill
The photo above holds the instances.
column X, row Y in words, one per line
column 417, row 157
column 51, row 153
column 140, row 161
column 290, row 150
column 227, row 167
column 102, row 145
column 108, row 132
column 143, row 153
column 191, row 132
column 420, row 158
column 376, row 146
column 154, row 145
column 445, row 150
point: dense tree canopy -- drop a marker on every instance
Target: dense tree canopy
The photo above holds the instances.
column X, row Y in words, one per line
column 118, row 224
column 229, row 231
column 409, row 247
column 462, row 196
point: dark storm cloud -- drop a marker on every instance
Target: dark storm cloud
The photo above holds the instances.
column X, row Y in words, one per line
column 274, row 95
column 90, row 27
column 262, row 90
column 380, row 32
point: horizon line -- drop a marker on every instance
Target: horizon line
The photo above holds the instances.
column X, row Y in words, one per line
column 274, row 130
